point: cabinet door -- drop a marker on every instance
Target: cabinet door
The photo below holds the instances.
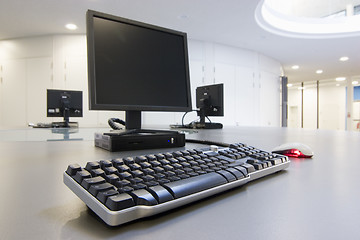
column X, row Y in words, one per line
column 246, row 97
column 269, row 99
column 13, row 93
column 39, row 79
column 76, row 79
column 225, row 73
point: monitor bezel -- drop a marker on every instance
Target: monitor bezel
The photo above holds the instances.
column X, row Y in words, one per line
column 93, row 104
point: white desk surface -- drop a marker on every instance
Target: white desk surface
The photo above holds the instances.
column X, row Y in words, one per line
column 314, row 198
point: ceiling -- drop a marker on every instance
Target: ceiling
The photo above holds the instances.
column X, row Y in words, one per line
column 229, row 22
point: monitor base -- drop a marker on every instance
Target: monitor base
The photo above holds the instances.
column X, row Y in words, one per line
column 198, row 125
column 64, row 124
column 207, row 125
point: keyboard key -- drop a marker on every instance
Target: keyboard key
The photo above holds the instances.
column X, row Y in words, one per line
column 87, row 182
column 249, row 168
column 112, row 178
column 140, row 159
column 143, row 197
column 137, row 173
column 228, row 175
column 72, row 169
column 97, row 172
column 110, row 170
column 136, row 180
column 103, row 195
column 96, row 188
column 92, row 165
column 126, row 189
column 122, row 183
column 160, row 193
column 160, row 156
column 241, row 169
column 237, row 173
column 151, row 158
column 196, row 184
column 125, row 175
column 122, row 168
column 119, row 202
column 105, row 163
column 117, row 161
column 129, row 160
column 139, row 186
column 212, row 154
column 80, row 175
column 148, row 178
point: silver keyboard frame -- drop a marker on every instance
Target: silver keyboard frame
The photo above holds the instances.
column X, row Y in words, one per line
column 114, row 218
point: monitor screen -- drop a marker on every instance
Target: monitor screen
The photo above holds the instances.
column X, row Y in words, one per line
column 136, row 67
column 59, row 101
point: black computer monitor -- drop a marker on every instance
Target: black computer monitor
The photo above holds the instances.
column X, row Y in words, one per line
column 210, row 102
column 64, row 103
column 135, row 67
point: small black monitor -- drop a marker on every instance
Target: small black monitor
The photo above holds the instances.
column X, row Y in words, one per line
column 135, row 67
column 210, row 102
column 64, row 103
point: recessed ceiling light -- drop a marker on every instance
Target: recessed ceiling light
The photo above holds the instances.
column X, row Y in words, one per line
column 355, row 82
column 319, row 71
column 295, row 67
column 340, row 79
column 71, row 26
column 289, row 85
column 338, row 85
column 301, row 88
column 344, row 59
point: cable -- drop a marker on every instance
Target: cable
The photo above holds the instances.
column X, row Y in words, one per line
column 191, row 124
column 114, row 123
column 182, row 119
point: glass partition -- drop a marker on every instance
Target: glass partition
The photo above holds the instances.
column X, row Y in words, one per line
column 320, row 104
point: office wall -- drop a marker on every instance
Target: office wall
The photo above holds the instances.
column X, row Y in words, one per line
column 29, row 66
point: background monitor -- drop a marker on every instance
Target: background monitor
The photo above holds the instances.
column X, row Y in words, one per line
column 210, row 102
column 64, row 103
column 136, row 67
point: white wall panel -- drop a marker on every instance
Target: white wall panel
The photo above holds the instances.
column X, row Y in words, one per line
column 38, row 78
column 246, row 97
column 269, row 99
column 13, row 93
column 225, row 73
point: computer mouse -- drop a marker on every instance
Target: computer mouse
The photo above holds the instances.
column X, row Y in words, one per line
column 298, row 150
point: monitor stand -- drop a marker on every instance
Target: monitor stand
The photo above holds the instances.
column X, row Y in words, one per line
column 205, row 125
column 66, row 123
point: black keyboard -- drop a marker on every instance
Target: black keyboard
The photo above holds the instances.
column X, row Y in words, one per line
column 124, row 189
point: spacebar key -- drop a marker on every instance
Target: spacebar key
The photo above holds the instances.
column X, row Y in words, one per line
column 196, row 184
